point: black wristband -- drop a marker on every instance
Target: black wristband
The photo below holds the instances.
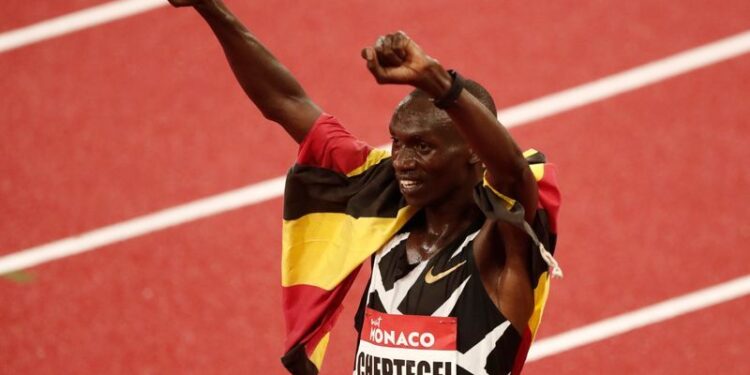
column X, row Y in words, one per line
column 450, row 97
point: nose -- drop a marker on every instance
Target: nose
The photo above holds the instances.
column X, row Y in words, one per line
column 404, row 159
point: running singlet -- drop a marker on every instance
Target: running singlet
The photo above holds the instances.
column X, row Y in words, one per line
column 433, row 317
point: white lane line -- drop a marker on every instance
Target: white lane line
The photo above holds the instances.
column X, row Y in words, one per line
column 629, row 321
column 75, row 21
column 139, row 226
column 518, row 115
column 647, row 74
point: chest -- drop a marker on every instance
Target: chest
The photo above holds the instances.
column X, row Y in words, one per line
column 432, row 286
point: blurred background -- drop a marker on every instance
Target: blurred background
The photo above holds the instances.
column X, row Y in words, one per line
column 125, row 118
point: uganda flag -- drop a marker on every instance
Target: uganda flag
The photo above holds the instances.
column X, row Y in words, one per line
column 543, row 233
column 341, row 204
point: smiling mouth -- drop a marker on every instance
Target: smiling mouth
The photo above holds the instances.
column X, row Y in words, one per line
column 409, row 186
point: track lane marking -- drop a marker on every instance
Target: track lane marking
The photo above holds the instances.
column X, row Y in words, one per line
column 198, row 209
column 75, row 21
column 658, row 312
column 629, row 80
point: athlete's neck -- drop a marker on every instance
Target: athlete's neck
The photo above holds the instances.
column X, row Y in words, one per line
column 443, row 223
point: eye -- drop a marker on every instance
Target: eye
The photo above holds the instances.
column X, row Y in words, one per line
column 395, row 144
column 423, row 147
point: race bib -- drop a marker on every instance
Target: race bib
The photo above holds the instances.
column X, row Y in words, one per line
column 406, row 345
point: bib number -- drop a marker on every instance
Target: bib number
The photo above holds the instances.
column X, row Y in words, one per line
column 406, row 345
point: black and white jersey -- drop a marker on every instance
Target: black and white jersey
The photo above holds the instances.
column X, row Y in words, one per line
column 446, row 285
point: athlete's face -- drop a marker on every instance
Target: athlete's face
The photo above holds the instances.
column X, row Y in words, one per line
column 431, row 160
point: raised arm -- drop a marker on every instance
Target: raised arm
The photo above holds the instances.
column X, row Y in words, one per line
column 502, row 249
column 270, row 86
column 397, row 59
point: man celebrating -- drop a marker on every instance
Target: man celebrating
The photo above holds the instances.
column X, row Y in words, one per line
column 456, row 222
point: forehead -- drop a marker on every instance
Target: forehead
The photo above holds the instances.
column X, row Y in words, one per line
column 418, row 116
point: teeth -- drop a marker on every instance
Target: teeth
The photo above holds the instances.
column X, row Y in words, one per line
column 407, row 184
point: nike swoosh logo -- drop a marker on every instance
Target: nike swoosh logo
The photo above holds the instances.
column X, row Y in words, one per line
column 429, row 278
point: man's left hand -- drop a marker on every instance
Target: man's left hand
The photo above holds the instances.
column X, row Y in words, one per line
column 396, row 58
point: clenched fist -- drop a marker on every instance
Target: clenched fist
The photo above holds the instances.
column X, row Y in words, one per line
column 396, row 58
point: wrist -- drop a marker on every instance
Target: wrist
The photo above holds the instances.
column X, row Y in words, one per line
column 449, row 98
column 436, row 81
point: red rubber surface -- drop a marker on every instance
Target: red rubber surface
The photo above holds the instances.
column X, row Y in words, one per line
column 141, row 114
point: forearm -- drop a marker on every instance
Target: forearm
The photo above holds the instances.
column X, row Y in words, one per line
column 507, row 169
column 490, row 140
column 270, row 86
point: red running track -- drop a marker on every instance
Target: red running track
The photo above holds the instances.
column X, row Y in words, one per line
column 142, row 114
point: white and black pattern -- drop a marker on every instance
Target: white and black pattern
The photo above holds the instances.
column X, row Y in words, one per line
column 486, row 342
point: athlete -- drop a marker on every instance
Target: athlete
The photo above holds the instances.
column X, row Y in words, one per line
column 452, row 222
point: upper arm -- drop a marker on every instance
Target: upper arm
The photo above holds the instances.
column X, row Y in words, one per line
column 519, row 185
column 296, row 115
column 502, row 250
